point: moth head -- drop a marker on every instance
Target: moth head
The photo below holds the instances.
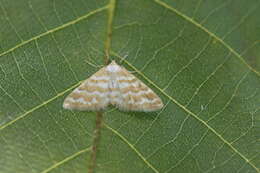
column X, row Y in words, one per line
column 113, row 67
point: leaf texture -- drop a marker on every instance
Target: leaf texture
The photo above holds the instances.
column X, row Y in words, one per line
column 201, row 57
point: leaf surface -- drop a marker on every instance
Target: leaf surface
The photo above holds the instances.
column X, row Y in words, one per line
column 200, row 57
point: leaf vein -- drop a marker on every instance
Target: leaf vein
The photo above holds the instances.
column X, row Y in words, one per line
column 230, row 99
column 25, row 113
column 132, row 147
column 188, row 64
column 207, row 79
column 191, row 113
column 165, row 5
column 71, row 157
column 54, row 30
column 243, row 19
column 188, row 152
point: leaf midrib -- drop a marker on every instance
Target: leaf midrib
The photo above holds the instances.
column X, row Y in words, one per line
column 156, row 86
column 146, row 78
column 165, row 5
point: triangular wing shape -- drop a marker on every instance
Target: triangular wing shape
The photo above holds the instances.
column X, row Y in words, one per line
column 114, row 85
column 134, row 94
column 91, row 95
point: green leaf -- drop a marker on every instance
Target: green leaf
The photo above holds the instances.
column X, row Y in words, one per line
column 201, row 57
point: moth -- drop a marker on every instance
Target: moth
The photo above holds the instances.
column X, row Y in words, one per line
column 115, row 85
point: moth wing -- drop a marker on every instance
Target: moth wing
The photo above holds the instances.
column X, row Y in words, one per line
column 91, row 95
column 135, row 95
